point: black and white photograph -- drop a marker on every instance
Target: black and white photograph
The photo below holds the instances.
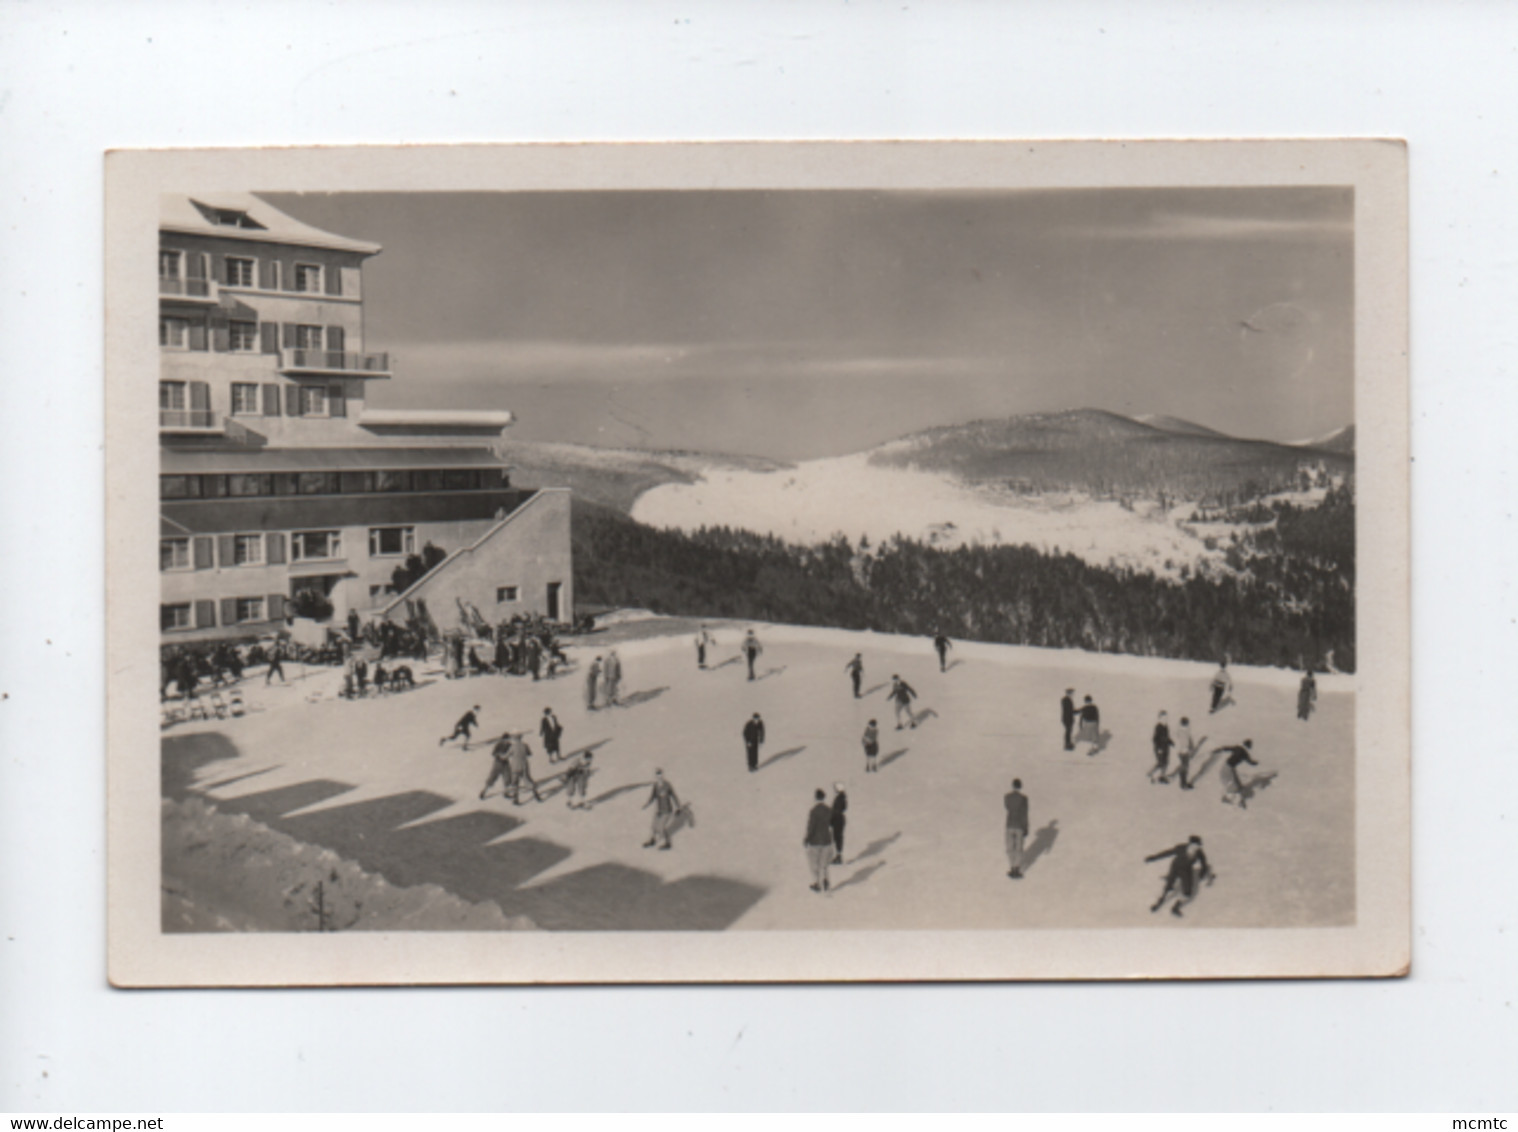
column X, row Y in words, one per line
column 751, row 563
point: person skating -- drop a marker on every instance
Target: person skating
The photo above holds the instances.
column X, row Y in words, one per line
column 517, row 756
column 500, row 767
column 1016, row 803
column 1067, row 715
column 751, row 650
column 576, row 781
column 1307, row 695
column 666, row 805
column 1222, row 686
column 901, row 695
column 467, row 723
column 1233, row 786
column 819, row 840
column 942, row 645
column 837, row 820
column 276, row 665
column 753, row 739
column 1185, row 751
column 592, row 684
column 703, row 642
column 1160, row 771
column 551, row 731
column 855, row 669
column 1090, row 725
column 1188, row 868
column 611, row 678
column 871, row 741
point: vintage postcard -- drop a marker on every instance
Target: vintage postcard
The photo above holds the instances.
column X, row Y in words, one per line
column 758, row 562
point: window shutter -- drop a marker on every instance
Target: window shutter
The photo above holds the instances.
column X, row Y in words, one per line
column 276, row 548
column 268, row 337
column 337, row 403
column 271, row 400
column 226, row 550
column 332, row 275
column 221, row 339
column 203, row 553
column 336, row 337
column 292, row 400
column 229, row 611
column 276, row 607
column 205, row 614
column 267, row 270
column 195, row 265
column 197, row 336
column 289, row 335
column 200, row 395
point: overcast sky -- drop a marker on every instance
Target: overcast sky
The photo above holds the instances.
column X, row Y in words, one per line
column 804, row 324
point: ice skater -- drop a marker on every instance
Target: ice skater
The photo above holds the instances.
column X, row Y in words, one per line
column 1307, row 695
column 576, row 780
column 1067, row 716
column 1090, row 726
column 1160, row 771
column 500, row 768
column 551, row 731
column 1233, row 786
column 942, row 645
column 611, row 679
column 1016, row 803
column 819, row 840
column 837, row 819
column 466, row 724
column 901, row 695
column 276, row 665
column 517, row 756
column 592, row 684
column 1185, row 751
column 751, row 650
column 703, row 642
column 1222, row 687
column 666, row 805
column 855, row 669
column 753, row 739
column 1188, row 868
column 871, row 741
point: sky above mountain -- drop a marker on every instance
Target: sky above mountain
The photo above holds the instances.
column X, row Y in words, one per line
column 795, row 325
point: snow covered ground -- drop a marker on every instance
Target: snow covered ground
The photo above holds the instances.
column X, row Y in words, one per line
column 816, row 499
column 368, row 781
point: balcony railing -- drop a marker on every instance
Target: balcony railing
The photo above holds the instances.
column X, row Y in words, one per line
column 203, row 419
column 335, row 361
column 183, row 288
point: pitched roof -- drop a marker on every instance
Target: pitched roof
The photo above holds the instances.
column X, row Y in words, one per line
column 261, row 221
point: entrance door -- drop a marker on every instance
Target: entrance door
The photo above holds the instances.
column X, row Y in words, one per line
column 553, row 600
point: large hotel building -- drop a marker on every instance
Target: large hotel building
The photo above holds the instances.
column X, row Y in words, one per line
column 276, row 476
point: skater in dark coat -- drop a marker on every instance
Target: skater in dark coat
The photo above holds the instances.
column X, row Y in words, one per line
column 753, row 739
column 1160, row 771
column 551, row 731
column 1188, row 868
column 901, row 695
column 467, row 723
column 942, row 645
column 837, row 820
column 276, row 658
column 517, row 756
column 855, row 669
column 818, row 841
column 871, row 741
column 1233, row 786
column 500, row 766
column 1067, row 717
column 1016, row 804
column 1307, row 695
column 1090, row 725
column 666, row 805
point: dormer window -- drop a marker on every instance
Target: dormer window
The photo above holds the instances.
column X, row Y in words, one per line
column 226, row 217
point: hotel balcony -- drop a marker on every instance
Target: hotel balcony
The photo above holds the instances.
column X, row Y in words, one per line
column 191, row 422
column 186, row 290
column 338, row 362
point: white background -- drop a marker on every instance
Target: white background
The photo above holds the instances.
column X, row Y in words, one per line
column 78, row 78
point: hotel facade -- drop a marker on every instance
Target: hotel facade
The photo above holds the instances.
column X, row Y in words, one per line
column 277, row 477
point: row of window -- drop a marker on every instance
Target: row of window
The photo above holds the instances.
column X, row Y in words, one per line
column 177, row 332
column 245, row 271
column 178, row 616
column 202, row 552
column 303, row 400
column 252, row 484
